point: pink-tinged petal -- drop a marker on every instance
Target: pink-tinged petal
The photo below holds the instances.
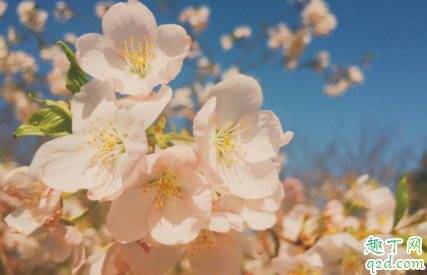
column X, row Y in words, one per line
column 22, row 221
column 125, row 20
column 18, row 184
column 215, row 180
column 225, row 261
column 64, row 164
column 258, row 220
column 204, row 131
column 172, row 46
column 236, row 97
column 258, row 214
column 95, row 263
column 113, row 262
column 333, row 247
column 274, row 202
column 236, row 222
column 57, row 254
column 146, row 107
column 252, row 180
column 128, row 215
column 172, row 225
column 132, row 84
column 91, row 95
column 162, row 258
column 50, row 201
column 60, row 241
column 267, row 136
column 97, row 57
column 79, row 258
column 247, row 246
column 195, row 191
column 172, row 40
column 218, row 222
column 66, row 235
column 135, row 256
column 171, row 159
column 136, row 148
column 106, row 192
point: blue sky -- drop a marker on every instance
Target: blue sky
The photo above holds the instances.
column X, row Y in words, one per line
column 394, row 95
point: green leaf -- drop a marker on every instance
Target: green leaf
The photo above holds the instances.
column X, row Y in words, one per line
column 76, row 77
column 46, row 122
column 65, row 106
column 402, row 200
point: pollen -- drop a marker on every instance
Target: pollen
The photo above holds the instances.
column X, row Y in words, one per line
column 166, row 186
column 139, row 56
column 229, row 141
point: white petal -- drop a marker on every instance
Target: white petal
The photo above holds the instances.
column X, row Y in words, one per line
column 218, row 222
column 63, row 166
column 252, row 180
column 174, row 224
column 97, row 57
column 91, row 95
column 125, row 20
column 267, row 136
column 236, row 96
column 246, row 245
column 79, row 258
column 204, row 127
column 147, row 108
column 136, row 148
column 22, row 221
column 172, row 46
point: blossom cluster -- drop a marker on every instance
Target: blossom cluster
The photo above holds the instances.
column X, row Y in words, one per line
column 332, row 240
column 188, row 196
column 121, row 190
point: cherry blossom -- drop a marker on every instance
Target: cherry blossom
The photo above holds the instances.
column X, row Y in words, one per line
column 134, row 54
column 259, row 214
column 216, row 249
column 61, row 242
column 41, row 207
column 237, row 141
column 108, row 141
column 171, row 201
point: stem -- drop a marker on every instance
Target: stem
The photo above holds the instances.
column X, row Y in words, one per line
column 84, row 214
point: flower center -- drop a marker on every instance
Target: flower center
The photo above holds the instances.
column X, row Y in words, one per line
column 139, row 58
column 204, row 243
column 166, row 187
column 107, row 140
column 351, row 264
column 229, row 141
column 32, row 202
column 382, row 220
